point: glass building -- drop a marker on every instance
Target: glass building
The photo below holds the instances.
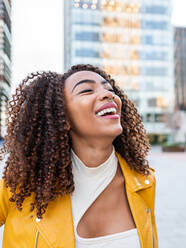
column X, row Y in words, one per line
column 5, row 60
column 133, row 41
column 180, row 66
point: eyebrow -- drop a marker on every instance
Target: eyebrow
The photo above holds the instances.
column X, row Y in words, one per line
column 89, row 81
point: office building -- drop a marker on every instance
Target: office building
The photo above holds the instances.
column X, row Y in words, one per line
column 5, row 60
column 180, row 66
column 132, row 41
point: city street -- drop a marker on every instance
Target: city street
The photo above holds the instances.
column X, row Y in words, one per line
column 170, row 197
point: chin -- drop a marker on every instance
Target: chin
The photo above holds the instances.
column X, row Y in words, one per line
column 114, row 132
column 118, row 131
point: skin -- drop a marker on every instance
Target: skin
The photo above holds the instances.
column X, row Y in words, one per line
column 92, row 139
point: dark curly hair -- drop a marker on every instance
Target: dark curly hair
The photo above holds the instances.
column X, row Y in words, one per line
column 38, row 141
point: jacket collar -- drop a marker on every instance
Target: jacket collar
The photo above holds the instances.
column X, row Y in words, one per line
column 134, row 180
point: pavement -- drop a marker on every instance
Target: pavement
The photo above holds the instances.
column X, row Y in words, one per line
column 170, row 204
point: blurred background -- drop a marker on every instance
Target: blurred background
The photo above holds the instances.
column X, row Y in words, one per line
column 142, row 44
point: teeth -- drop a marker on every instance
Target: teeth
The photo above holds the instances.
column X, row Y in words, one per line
column 108, row 110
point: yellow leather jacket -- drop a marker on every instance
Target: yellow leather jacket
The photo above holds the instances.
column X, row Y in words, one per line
column 22, row 228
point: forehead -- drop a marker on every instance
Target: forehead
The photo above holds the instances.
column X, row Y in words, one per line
column 82, row 75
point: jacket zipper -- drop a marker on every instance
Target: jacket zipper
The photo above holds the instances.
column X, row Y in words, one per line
column 152, row 229
column 36, row 239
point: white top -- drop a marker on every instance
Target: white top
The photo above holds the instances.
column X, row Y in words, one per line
column 89, row 184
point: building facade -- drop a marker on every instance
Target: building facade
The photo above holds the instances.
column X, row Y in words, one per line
column 132, row 41
column 5, row 60
column 180, row 66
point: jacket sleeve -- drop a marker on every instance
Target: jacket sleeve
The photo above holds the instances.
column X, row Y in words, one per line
column 4, row 202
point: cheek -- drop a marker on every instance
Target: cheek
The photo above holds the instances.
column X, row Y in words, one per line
column 80, row 114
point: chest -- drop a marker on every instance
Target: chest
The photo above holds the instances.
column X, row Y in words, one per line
column 109, row 213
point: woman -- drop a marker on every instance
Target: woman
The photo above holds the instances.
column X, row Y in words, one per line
column 76, row 175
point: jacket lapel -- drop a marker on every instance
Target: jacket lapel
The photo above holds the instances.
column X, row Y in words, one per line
column 135, row 183
column 133, row 179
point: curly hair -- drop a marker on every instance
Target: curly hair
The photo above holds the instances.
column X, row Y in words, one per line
column 38, row 141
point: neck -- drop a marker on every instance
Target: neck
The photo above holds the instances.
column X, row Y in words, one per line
column 92, row 154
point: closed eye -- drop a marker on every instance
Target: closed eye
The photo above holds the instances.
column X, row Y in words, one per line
column 89, row 90
column 84, row 91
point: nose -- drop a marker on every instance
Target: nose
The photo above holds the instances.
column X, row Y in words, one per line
column 106, row 94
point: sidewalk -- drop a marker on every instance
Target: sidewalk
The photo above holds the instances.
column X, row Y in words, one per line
column 170, row 197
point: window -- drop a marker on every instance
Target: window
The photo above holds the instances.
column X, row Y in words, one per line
column 154, row 71
column 152, row 102
column 155, row 55
column 154, row 9
column 159, row 117
column 7, row 47
column 87, row 36
column 4, row 15
column 161, row 25
column 87, row 53
column 148, row 39
column 149, row 117
column 160, row 40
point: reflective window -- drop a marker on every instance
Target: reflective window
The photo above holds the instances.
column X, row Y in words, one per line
column 121, row 22
column 154, row 55
column 4, row 15
column 147, row 39
column 86, row 18
column 122, row 70
column 159, row 117
column 7, row 73
column 152, row 102
column 7, row 46
column 87, row 36
column 121, row 38
column 120, row 6
column 149, row 117
column 162, row 25
column 154, row 9
column 154, row 71
column 87, row 53
column 161, row 40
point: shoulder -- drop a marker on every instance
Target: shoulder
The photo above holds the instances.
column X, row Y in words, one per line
column 4, row 201
column 3, row 188
column 5, row 193
column 152, row 174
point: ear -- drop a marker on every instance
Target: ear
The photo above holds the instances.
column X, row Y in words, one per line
column 68, row 127
column 67, row 124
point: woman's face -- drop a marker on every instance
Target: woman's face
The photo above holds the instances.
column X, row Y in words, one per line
column 86, row 94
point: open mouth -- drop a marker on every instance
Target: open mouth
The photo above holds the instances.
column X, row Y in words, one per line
column 106, row 112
